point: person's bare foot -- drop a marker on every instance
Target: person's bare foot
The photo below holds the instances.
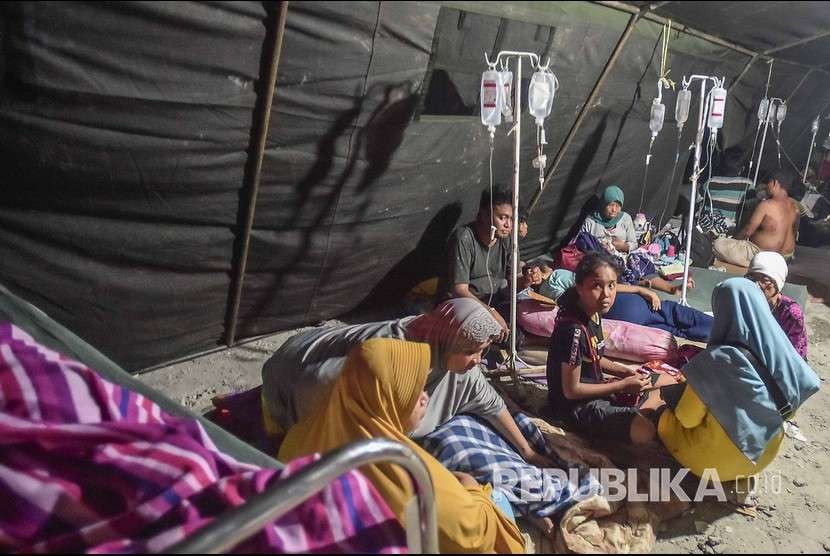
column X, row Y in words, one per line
column 545, row 525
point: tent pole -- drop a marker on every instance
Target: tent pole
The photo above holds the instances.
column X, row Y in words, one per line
column 800, row 83
column 622, row 6
column 260, row 142
column 798, row 42
column 646, row 14
column 517, row 144
column 743, row 72
column 586, row 106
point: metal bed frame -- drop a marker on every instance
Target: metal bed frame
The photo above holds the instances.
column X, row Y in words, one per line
column 237, row 525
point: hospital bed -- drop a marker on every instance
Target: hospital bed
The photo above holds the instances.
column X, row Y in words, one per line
column 236, row 525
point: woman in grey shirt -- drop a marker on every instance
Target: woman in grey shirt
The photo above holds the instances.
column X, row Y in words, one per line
column 298, row 376
column 611, row 223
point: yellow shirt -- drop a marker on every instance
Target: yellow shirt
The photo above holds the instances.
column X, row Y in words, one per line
column 697, row 441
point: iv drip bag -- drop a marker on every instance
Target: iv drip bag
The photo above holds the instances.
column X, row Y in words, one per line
column 762, row 109
column 771, row 115
column 718, row 108
column 658, row 113
column 540, row 95
column 781, row 113
column 681, row 109
column 492, row 90
column 507, row 96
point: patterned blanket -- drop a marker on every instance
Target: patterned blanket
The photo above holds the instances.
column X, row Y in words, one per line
column 472, row 446
column 88, row 466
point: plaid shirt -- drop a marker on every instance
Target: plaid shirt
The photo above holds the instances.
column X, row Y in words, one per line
column 470, row 445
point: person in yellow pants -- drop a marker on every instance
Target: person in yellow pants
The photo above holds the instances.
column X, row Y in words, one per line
column 729, row 415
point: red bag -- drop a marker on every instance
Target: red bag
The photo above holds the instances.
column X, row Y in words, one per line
column 569, row 257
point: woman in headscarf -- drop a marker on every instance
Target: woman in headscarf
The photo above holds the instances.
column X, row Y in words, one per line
column 377, row 395
column 611, row 223
column 769, row 270
column 297, row 378
column 729, row 415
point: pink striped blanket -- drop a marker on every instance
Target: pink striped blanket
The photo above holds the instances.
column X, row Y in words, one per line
column 88, row 466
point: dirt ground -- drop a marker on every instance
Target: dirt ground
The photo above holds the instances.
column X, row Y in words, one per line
column 794, row 492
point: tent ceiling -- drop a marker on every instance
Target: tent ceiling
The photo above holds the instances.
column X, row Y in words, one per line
column 127, row 138
column 792, row 31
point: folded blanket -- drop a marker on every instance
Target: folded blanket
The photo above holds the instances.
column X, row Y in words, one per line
column 667, row 271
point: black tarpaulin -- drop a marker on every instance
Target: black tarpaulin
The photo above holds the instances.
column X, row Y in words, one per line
column 126, row 129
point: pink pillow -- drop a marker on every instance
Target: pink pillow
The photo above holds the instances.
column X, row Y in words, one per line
column 623, row 340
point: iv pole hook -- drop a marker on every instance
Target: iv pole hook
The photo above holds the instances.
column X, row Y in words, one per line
column 491, row 65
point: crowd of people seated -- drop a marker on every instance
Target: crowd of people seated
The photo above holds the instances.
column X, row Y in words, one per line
column 419, row 380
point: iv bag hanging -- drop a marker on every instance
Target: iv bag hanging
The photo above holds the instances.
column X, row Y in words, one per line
column 507, row 95
column 781, row 113
column 492, row 90
column 771, row 113
column 540, row 95
column 658, row 114
column 681, row 109
column 762, row 109
column 718, row 108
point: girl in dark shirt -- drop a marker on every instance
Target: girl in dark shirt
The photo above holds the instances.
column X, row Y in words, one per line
column 578, row 393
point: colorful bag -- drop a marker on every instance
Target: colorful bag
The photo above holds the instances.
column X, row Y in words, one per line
column 569, row 257
column 637, row 267
column 668, row 239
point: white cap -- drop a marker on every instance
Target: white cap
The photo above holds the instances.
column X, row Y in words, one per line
column 772, row 264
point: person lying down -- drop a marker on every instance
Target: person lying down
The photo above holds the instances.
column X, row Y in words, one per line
column 634, row 304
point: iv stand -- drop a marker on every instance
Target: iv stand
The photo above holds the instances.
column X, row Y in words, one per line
column 763, row 139
column 701, row 119
column 517, row 142
column 812, row 146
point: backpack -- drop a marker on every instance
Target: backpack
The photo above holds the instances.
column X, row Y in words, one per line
column 701, row 249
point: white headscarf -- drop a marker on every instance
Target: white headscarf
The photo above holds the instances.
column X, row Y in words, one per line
column 771, row 264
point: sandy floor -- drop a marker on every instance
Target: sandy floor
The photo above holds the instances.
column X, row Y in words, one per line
column 794, row 520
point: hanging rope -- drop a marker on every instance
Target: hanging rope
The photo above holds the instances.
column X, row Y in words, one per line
column 662, row 81
column 664, row 72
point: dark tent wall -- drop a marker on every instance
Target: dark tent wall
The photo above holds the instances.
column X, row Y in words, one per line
column 126, row 129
